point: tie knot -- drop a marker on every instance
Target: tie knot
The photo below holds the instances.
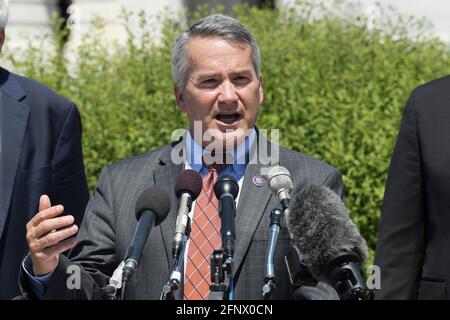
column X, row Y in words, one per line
column 217, row 161
column 216, row 166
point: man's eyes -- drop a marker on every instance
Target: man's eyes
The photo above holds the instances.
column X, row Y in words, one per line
column 241, row 80
column 213, row 83
column 209, row 83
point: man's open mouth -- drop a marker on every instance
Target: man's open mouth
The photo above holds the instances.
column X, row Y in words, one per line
column 228, row 118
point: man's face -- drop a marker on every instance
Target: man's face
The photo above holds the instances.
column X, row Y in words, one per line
column 222, row 90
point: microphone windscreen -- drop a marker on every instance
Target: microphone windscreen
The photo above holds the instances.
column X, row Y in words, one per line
column 188, row 181
column 279, row 178
column 320, row 226
column 154, row 199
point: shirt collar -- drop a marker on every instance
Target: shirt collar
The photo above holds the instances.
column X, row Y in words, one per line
column 194, row 155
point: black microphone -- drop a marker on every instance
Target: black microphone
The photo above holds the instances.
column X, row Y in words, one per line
column 332, row 248
column 187, row 188
column 226, row 190
column 152, row 208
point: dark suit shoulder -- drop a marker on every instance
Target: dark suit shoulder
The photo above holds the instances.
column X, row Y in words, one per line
column 36, row 95
column 434, row 94
column 32, row 87
column 434, row 87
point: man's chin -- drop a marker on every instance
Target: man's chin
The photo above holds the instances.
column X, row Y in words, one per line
column 227, row 138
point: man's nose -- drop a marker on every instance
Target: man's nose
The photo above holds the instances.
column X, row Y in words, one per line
column 228, row 93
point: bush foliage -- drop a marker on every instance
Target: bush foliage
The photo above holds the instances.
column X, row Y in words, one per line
column 335, row 89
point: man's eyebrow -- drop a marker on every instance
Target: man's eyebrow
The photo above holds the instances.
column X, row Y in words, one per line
column 213, row 74
column 243, row 71
column 207, row 75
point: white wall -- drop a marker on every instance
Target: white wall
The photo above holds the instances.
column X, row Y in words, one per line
column 436, row 11
column 31, row 18
column 27, row 20
column 110, row 10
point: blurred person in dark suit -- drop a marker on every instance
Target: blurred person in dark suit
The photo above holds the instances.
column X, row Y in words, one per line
column 413, row 236
column 40, row 153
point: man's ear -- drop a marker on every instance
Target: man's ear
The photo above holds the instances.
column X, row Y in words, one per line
column 2, row 38
column 179, row 97
column 261, row 90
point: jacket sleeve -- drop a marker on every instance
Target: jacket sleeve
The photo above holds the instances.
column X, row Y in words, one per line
column 400, row 247
column 69, row 186
column 90, row 264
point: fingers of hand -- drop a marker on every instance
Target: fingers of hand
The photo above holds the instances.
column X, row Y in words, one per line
column 52, row 238
column 44, row 202
column 45, row 214
column 49, row 225
column 57, row 249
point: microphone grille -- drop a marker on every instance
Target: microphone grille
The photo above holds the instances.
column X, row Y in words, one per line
column 188, row 181
column 154, row 199
column 279, row 179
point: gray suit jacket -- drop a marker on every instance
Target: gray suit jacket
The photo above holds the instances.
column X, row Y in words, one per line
column 109, row 224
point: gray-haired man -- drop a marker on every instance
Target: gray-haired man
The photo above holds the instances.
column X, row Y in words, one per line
column 218, row 85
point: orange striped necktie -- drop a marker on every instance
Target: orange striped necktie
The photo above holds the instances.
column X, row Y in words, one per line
column 205, row 237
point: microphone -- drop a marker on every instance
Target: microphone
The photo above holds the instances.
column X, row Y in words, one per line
column 152, row 208
column 115, row 282
column 276, row 216
column 226, row 190
column 332, row 248
column 280, row 182
column 187, row 188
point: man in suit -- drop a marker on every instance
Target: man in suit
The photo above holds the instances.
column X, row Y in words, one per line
column 413, row 242
column 40, row 154
column 219, row 86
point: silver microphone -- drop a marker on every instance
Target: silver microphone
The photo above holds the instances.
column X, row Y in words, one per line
column 280, row 182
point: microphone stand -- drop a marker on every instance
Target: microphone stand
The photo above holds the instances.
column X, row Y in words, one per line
column 221, row 266
column 173, row 284
column 276, row 216
column 115, row 283
column 221, row 275
column 226, row 190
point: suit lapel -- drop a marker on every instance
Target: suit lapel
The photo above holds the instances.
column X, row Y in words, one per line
column 252, row 204
column 14, row 123
column 165, row 177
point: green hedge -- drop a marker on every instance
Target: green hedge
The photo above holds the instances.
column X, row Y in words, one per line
column 334, row 89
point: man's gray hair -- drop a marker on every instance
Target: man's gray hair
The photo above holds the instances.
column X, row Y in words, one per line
column 216, row 25
column 4, row 4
